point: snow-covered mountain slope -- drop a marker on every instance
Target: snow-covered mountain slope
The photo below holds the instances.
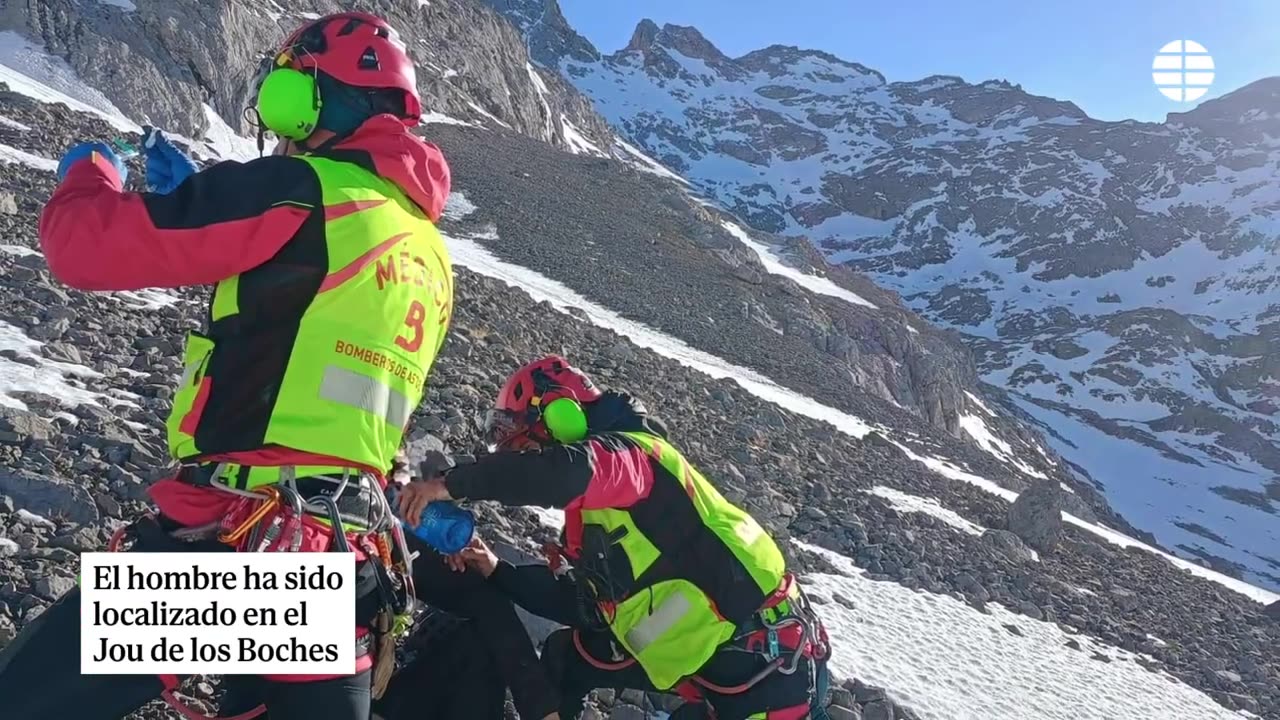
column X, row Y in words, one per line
column 1120, row 280
column 925, row 593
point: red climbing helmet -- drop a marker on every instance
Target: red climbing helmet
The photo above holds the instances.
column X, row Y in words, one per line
column 358, row 49
column 523, row 416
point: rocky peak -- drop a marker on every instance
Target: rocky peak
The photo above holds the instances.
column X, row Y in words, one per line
column 645, row 35
column 685, row 40
column 546, row 31
column 689, row 42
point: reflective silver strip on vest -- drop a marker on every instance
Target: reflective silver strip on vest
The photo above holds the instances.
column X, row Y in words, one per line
column 658, row 623
column 361, row 391
column 189, row 374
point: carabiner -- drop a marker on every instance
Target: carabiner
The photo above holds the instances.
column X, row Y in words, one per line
column 271, row 500
column 335, row 520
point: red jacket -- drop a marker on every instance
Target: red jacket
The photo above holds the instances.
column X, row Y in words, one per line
column 221, row 222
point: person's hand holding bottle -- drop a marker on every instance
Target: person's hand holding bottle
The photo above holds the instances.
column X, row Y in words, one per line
column 476, row 555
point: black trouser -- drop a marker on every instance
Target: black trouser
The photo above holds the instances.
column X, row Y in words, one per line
column 452, row 677
column 40, row 676
column 40, row 680
column 495, row 630
column 536, row 589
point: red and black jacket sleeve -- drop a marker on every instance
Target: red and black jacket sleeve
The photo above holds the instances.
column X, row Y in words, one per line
column 221, row 222
column 604, row 471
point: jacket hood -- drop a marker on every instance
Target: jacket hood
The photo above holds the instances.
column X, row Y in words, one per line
column 415, row 165
column 617, row 411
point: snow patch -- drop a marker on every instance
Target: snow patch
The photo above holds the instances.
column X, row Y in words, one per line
column 541, row 88
column 457, row 206
column 814, row 283
column 488, row 114
column 225, row 142
column 29, row 70
column 948, row 470
column 14, row 155
column 466, row 252
column 1182, row 497
column 149, row 298
column 647, row 164
column 44, row 376
column 905, row 502
column 578, row 143
column 432, row 117
column 945, row 660
column 977, row 429
column 10, row 122
column 125, row 5
column 978, row 401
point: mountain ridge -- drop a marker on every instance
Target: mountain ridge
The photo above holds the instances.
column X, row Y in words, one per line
column 1115, row 276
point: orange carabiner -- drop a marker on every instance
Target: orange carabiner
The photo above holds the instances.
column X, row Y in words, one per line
column 271, row 500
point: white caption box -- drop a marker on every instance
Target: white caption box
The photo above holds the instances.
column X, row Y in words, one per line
column 141, row 613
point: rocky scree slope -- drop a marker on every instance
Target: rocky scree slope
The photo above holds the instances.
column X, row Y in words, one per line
column 1118, row 279
column 81, row 458
column 82, row 440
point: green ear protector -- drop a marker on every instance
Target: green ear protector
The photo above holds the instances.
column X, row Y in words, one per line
column 565, row 419
column 289, row 101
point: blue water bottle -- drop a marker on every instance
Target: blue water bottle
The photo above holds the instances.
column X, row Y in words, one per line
column 443, row 525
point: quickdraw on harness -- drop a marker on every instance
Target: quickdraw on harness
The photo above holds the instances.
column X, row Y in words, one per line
column 272, row 523
column 271, row 519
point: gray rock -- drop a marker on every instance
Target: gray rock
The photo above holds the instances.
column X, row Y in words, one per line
column 842, row 712
column 878, row 710
column 1008, row 545
column 1273, row 610
column 45, row 496
column 24, row 426
column 1036, row 516
column 627, row 712
column 52, row 587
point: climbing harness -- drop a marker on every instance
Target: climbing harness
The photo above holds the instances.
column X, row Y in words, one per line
column 271, row 519
column 796, row 629
column 803, row 631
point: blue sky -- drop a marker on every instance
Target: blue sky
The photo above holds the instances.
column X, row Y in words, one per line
column 1095, row 53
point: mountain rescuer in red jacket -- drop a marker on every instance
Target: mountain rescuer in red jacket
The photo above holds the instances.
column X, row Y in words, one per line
column 332, row 296
column 671, row 586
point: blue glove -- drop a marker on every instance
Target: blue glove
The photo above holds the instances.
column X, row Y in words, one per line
column 167, row 166
column 83, row 151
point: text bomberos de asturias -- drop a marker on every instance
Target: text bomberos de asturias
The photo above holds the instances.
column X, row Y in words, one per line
column 159, row 613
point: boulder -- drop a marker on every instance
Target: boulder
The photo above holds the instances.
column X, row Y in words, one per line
column 1273, row 611
column 1036, row 516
